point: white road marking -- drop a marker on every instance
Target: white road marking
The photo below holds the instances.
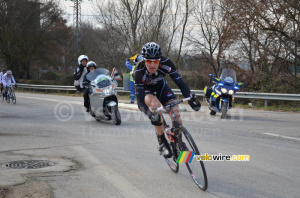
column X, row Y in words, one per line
column 54, row 100
column 282, row 136
column 190, row 120
column 99, row 170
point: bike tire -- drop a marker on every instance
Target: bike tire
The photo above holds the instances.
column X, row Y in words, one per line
column 7, row 97
column 13, row 97
column 195, row 168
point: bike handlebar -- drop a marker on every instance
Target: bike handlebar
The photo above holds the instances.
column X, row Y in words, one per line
column 173, row 104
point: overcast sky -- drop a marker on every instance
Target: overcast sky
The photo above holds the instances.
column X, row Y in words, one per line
column 86, row 9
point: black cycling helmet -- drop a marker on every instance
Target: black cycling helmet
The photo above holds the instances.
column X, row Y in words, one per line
column 151, row 50
column 4, row 70
column 91, row 64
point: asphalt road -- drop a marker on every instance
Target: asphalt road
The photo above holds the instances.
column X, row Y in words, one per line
column 100, row 159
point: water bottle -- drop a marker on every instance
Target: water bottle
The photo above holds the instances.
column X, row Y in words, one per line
column 169, row 134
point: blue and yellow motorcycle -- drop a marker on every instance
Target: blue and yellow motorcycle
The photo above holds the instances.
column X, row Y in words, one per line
column 219, row 97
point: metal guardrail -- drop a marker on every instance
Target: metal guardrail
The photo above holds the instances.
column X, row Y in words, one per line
column 47, row 87
column 246, row 95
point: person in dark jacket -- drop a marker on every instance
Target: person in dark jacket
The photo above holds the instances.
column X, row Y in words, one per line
column 91, row 66
column 80, row 72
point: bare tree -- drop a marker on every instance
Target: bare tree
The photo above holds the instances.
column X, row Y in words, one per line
column 212, row 34
column 186, row 15
column 270, row 38
column 122, row 17
column 31, row 31
column 174, row 22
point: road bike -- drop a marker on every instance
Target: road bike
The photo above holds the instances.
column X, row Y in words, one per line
column 195, row 168
column 10, row 95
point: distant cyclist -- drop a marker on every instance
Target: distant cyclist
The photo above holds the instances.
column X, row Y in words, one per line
column 1, row 75
column 152, row 89
column 7, row 80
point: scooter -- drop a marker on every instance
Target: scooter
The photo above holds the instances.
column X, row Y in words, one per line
column 103, row 96
column 219, row 97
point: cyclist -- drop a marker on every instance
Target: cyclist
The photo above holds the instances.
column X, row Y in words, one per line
column 149, row 78
column 80, row 72
column 137, row 58
column 6, row 80
column 91, row 66
column 1, row 75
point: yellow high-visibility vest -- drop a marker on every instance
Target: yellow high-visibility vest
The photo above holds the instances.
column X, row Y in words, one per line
column 131, row 78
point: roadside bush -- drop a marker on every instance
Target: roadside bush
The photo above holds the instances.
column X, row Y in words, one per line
column 49, row 76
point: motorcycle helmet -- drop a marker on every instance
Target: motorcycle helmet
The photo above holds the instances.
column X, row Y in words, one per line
column 91, row 64
column 81, row 57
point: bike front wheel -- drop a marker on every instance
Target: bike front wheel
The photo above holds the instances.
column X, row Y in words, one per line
column 7, row 97
column 13, row 97
column 195, row 168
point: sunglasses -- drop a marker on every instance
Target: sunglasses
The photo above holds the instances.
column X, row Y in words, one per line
column 149, row 61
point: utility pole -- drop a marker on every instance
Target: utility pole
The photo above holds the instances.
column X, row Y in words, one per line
column 76, row 28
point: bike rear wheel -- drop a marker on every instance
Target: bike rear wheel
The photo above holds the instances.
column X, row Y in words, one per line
column 195, row 168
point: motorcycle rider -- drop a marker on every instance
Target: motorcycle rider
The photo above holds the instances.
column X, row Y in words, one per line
column 149, row 78
column 6, row 80
column 91, row 66
column 80, row 72
column 131, row 67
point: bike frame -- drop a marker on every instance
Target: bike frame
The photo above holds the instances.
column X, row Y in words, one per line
column 174, row 134
column 10, row 95
column 177, row 146
column 9, row 89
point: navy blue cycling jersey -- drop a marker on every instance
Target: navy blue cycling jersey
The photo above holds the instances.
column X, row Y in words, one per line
column 145, row 81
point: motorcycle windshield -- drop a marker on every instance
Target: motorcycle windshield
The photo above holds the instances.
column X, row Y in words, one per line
column 103, row 81
column 228, row 76
column 93, row 75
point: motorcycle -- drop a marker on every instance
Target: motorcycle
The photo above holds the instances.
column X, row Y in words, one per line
column 219, row 97
column 103, row 96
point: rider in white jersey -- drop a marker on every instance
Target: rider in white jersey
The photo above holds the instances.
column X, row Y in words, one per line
column 7, row 80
